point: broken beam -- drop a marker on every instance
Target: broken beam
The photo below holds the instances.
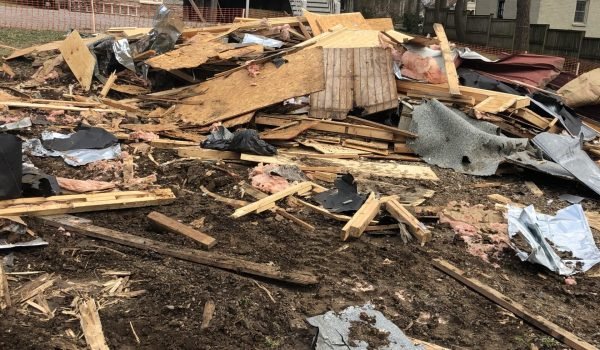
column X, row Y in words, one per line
column 83, row 226
column 166, row 223
column 451, row 74
column 537, row 321
column 400, row 213
column 362, row 218
column 268, row 202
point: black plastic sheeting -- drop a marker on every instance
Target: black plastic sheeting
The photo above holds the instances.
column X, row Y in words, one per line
column 542, row 104
column 38, row 184
column 343, row 198
column 242, row 140
column 10, row 163
column 86, row 137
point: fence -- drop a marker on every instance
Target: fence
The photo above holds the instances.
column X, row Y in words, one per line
column 62, row 15
column 493, row 35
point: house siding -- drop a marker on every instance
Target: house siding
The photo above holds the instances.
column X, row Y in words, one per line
column 557, row 13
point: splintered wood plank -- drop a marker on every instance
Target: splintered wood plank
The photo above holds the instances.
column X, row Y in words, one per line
column 330, row 149
column 85, row 202
column 366, row 148
column 149, row 127
column 241, row 52
column 353, row 20
column 301, row 75
column 207, row 314
column 171, row 225
column 199, row 50
column 74, row 224
column 397, row 210
column 293, row 130
column 108, row 85
column 256, row 206
column 79, row 59
column 448, row 61
column 91, row 325
column 5, row 300
column 362, row 218
column 519, row 310
column 381, row 24
column 533, row 118
column 211, row 154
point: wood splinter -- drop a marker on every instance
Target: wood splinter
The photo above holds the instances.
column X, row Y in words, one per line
column 166, row 223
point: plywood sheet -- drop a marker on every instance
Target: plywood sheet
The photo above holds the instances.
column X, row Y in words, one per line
column 51, row 46
column 381, row 24
column 226, row 97
column 79, row 59
column 241, row 52
column 337, row 99
column 196, row 53
column 311, row 18
column 395, row 170
column 353, row 20
column 351, row 39
column 330, row 149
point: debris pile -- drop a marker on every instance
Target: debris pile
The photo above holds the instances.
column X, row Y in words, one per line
column 326, row 113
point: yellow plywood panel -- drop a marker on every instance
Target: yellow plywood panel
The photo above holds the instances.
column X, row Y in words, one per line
column 196, row 53
column 79, row 59
column 354, row 20
column 381, row 24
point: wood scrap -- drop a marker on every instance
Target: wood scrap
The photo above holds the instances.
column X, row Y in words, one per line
column 376, row 125
column 208, row 154
column 108, row 84
column 266, row 202
column 353, row 20
column 166, row 223
column 120, row 105
column 207, row 314
column 362, row 218
column 241, row 52
column 51, row 46
column 199, row 50
column 331, row 148
column 235, row 203
column 64, row 107
column 301, row 75
column 84, row 227
column 494, row 105
column 289, row 131
column 91, row 325
column 380, row 24
column 79, row 59
column 371, row 147
column 397, row 210
column 311, row 18
column 534, row 188
column 519, row 310
column 451, row 74
column 5, row 300
column 149, row 127
column 85, row 202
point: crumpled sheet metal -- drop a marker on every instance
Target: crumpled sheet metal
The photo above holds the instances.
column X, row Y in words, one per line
column 76, row 157
column 567, row 152
column 449, row 139
column 568, row 231
column 38, row 242
column 334, row 330
column 15, row 225
column 527, row 160
column 166, row 30
column 123, row 53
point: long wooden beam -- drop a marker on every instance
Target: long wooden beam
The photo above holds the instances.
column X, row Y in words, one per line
column 83, row 226
column 537, row 321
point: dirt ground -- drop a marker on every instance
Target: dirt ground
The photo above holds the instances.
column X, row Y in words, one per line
column 397, row 278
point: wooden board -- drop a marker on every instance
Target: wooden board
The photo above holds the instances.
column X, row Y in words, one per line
column 241, row 52
column 149, row 127
column 311, row 18
column 451, row 74
column 395, row 170
column 353, row 20
column 397, row 210
column 337, row 99
column 381, row 24
column 350, row 39
column 533, row 118
column 224, row 262
column 267, row 201
column 166, row 223
column 108, row 84
column 301, row 75
column 193, row 55
column 85, row 202
column 374, row 88
column 519, row 310
column 211, row 154
column 397, row 36
column 5, row 300
column 293, row 130
column 330, row 149
column 362, row 218
column 79, row 59
column 534, row 189
column 91, row 325
column 51, row 46
column 495, row 104
column 130, row 89
column 59, row 107
column 340, row 128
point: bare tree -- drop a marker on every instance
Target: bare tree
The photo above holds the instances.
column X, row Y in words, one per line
column 460, row 20
column 522, row 28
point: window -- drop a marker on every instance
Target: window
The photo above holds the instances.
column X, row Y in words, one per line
column 500, row 9
column 581, row 11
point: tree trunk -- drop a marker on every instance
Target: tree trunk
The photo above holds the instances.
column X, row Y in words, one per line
column 439, row 5
column 460, row 21
column 522, row 26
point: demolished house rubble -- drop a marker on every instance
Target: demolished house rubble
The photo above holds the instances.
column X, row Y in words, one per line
column 326, row 115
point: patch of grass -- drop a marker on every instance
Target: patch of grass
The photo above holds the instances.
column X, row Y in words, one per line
column 549, row 342
column 20, row 38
